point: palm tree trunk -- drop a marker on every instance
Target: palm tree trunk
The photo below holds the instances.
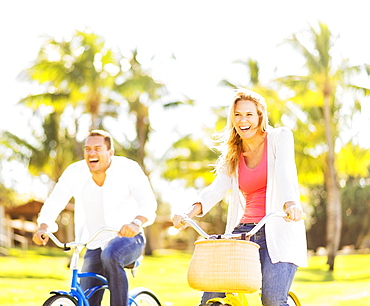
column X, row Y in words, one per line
column 334, row 215
column 142, row 127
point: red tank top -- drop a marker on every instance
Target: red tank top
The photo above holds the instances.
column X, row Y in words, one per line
column 252, row 183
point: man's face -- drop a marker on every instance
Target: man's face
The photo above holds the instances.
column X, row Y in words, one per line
column 97, row 155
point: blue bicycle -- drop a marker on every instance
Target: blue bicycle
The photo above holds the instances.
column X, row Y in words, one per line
column 139, row 296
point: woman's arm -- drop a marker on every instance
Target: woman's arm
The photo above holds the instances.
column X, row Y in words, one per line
column 208, row 197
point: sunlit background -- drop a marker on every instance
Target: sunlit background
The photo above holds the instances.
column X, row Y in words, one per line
column 189, row 45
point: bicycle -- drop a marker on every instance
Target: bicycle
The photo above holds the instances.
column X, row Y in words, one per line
column 237, row 297
column 139, row 296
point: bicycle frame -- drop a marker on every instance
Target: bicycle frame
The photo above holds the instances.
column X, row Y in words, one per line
column 136, row 296
column 240, row 299
column 76, row 289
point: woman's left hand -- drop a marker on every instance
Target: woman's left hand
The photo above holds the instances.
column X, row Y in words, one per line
column 294, row 212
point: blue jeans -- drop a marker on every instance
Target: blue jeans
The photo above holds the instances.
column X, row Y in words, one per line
column 276, row 278
column 110, row 262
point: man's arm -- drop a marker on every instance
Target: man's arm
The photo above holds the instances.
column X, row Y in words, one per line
column 53, row 205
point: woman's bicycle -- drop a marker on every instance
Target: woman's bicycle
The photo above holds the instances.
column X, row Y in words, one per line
column 139, row 296
column 237, row 277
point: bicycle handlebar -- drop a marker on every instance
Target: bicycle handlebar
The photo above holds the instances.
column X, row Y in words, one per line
column 258, row 226
column 67, row 246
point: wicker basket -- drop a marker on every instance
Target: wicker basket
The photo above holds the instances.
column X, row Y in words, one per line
column 225, row 265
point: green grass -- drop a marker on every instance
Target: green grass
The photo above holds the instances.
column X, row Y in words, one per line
column 26, row 278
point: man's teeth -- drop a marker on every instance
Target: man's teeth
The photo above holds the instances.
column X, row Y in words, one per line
column 93, row 160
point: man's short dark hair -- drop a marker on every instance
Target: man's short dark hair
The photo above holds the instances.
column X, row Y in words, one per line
column 107, row 137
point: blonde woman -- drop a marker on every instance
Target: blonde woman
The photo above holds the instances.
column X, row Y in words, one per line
column 258, row 167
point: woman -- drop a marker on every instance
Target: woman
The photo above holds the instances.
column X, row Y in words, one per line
column 258, row 166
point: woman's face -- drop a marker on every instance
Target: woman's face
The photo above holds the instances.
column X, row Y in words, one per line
column 246, row 119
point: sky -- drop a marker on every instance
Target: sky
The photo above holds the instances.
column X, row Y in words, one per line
column 206, row 38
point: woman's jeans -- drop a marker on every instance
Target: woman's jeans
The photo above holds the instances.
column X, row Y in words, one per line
column 276, row 278
column 110, row 262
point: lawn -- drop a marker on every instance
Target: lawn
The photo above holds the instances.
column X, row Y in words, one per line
column 26, row 278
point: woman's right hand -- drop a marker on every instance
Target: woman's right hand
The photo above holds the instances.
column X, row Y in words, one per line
column 178, row 219
column 178, row 223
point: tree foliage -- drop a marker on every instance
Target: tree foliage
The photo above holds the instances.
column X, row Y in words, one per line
column 319, row 97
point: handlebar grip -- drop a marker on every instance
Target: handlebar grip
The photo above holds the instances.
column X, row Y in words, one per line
column 304, row 216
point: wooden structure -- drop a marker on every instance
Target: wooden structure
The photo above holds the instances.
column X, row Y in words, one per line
column 18, row 224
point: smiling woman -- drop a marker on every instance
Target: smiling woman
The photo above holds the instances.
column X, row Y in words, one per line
column 258, row 166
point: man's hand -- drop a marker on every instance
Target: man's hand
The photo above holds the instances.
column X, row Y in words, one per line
column 39, row 237
column 129, row 230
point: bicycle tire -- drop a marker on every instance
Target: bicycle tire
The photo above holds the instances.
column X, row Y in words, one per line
column 293, row 300
column 143, row 297
column 60, row 300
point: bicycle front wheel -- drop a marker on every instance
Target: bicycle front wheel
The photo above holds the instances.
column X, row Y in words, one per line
column 143, row 297
column 293, row 300
column 60, row 300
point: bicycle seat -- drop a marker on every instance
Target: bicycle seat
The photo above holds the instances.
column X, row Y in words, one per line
column 132, row 265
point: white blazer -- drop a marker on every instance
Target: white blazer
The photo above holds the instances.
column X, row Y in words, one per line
column 286, row 241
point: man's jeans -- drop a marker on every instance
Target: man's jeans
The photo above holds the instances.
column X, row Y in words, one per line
column 121, row 251
column 276, row 278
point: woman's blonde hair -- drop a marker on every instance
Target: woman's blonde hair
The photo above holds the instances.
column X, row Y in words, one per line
column 231, row 143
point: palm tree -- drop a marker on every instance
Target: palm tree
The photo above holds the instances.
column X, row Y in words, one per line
column 79, row 72
column 141, row 90
column 318, row 102
column 72, row 77
column 49, row 150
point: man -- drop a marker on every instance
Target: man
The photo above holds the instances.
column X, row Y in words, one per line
column 109, row 191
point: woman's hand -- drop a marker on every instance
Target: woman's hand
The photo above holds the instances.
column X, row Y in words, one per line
column 178, row 223
column 178, row 219
column 294, row 212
